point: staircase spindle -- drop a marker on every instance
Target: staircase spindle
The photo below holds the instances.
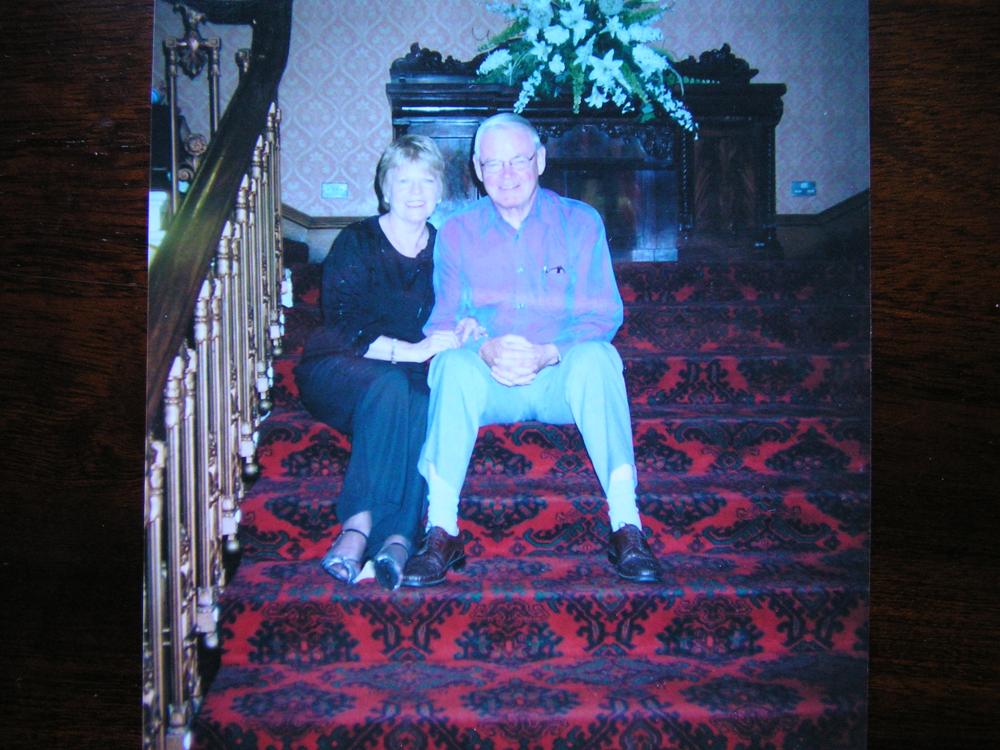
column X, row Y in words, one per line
column 253, row 279
column 171, row 54
column 282, row 287
column 207, row 536
column 267, row 278
column 261, row 305
column 153, row 614
column 183, row 682
column 242, row 265
column 225, row 388
column 190, row 54
column 226, row 512
column 214, row 48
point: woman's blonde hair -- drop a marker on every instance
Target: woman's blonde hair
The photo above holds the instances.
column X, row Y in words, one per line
column 408, row 148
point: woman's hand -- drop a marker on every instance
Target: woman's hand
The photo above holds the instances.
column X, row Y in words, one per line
column 436, row 342
column 469, row 328
column 389, row 349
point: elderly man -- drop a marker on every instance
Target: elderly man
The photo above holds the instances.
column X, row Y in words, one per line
column 534, row 269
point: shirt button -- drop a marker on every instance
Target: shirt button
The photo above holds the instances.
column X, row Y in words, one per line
column 520, row 269
column 519, row 305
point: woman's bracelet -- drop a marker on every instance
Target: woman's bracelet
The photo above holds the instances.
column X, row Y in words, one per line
column 392, row 351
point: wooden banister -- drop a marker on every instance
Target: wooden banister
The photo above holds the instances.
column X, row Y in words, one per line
column 182, row 260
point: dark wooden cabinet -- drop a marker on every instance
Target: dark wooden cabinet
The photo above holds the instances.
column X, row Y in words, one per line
column 657, row 186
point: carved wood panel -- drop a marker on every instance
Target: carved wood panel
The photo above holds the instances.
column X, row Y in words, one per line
column 725, row 183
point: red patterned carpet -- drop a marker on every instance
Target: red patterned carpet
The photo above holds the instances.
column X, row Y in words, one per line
column 749, row 384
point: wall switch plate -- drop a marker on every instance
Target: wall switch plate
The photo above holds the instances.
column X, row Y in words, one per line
column 803, row 188
column 331, row 190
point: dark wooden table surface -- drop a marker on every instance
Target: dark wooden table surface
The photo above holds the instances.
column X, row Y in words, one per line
column 73, row 158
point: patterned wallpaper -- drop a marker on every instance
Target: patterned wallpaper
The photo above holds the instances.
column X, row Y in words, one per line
column 336, row 118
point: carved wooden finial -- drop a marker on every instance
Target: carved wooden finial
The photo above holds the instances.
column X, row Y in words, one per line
column 718, row 66
column 421, row 61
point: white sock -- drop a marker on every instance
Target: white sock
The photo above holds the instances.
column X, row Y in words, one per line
column 622, row 508
column 442, row 503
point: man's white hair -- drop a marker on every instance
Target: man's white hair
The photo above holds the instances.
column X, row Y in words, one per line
column 504, row 120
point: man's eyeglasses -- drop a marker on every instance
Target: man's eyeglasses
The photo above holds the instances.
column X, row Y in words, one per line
column 518, row 164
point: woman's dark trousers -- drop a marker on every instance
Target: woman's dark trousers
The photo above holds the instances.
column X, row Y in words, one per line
column 384, row 409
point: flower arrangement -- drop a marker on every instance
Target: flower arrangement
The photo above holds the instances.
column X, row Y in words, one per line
column 598, row 49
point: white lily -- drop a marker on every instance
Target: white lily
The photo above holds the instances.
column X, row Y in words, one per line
column 539, row 13
column 640, row 32
column 574, row 18
column 584, row 51
column 597, row 98
column 494, row 61
column 540, row 50
column 618, row 30
column 649, row 61
column 556, row 35
column 607, row 70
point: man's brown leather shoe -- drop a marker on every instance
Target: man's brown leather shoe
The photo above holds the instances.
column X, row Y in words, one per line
column 440, row 552
column 631, row 556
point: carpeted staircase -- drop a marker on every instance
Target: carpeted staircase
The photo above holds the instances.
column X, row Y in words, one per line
column 749, row 388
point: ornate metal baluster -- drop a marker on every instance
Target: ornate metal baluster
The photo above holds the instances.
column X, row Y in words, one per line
column 206, row 520
column 242, row 258
column 220, row 456
column 227, row 417
column 269, row 262
column 188, row 516
column 258, row 279
column 189, row 54
column 153, row 613
column 180, row 589
column 170, row 47
column 285, row 297
column 214, row 47
column 252, row 277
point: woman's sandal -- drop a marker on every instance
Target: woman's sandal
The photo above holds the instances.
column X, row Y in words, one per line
column 343, row 568
column 389, row 564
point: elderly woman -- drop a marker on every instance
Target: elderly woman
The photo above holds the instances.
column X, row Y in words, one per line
column 363, row 369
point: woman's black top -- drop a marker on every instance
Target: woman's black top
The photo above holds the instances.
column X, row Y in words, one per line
column 369, row 290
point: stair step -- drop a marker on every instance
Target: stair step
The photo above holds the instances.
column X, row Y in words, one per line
column 691, row 328
column 789, row 383
column 707, row 328
column 295, row 446
column 796, row 381
column 609, row 701
column 518, row 518
column 740, row 281
column 500, row 610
